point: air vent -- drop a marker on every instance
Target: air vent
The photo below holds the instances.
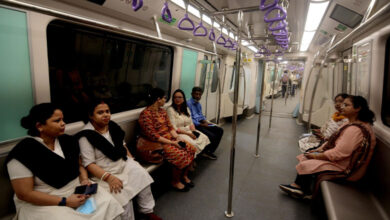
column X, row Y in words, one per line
column 346, row 16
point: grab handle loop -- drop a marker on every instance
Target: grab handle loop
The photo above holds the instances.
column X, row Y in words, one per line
column 264, row 7
column 235, row 45
column 221, row 40
column 186, row 18
column 137, row 4
column 281, row 37
column 166, row 13
column 212, row 35
column 278, row 17
column 280, row 25
column 280, row 32
column 200, row 26
column 228, row 43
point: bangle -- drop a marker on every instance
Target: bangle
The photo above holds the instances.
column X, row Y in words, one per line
column 62, row 202
column 106, row 177
column 104, row 174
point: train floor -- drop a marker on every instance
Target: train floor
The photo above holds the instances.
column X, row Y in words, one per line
column 282, row 105
column 256, row 194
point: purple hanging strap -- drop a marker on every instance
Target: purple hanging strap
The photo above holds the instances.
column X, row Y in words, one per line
column 281, row 37
column 200, row 26
column 166, row 13
column 264, row 7
column 221, row 40
column 280, row 32
column 212, row 35
column 186, row 18
column 137, row 4
column 228, row 43
column 280, row 25
column 235, row 45
column 277, row 18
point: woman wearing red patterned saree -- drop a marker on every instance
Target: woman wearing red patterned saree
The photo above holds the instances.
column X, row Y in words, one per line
column 155, row 126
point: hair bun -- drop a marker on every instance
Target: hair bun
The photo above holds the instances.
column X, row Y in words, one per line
column 26, row 122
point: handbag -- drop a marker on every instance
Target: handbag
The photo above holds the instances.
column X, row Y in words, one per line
column 149, row 151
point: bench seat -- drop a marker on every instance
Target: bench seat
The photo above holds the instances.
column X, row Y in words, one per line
column 345, row 202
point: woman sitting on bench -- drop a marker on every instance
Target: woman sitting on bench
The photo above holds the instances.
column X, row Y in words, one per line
column 345, row 155
column 106, row 157
column 44, row 170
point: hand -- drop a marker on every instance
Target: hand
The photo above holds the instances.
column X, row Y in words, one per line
column 204, row 124
column 115, row 184
column 176, row 143
column 310, row 155
column 85, row 182
column 191, row 135
column 75, row 200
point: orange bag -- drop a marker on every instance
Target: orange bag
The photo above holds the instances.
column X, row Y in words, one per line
column 149, row 151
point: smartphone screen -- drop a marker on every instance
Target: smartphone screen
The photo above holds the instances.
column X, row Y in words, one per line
column 86, row 190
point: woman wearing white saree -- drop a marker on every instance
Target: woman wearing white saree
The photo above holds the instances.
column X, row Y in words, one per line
column 107, row 158
column 181, row 120
column 44, row 170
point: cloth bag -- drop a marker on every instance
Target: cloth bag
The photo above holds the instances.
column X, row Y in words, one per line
column 149, row 151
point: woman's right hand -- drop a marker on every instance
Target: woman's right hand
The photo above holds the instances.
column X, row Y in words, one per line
column 115, row 184
column 75, row 200
column 176, row 143
column 191, row 135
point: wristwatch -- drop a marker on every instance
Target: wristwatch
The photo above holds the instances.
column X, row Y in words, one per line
column 62, row 202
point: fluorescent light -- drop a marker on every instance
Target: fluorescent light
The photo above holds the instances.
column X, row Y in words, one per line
column 207, row 19
column 194, row 11
column 315, row 14
column 179, row 3
column 224, row 30
column 254, row 49
column 244, row 43
column 279, row 58
column 217, row 26
column 306, row 40
column 232, row 35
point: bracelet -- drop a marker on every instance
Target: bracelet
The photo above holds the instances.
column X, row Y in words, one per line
column 104, row 174
column 106, row 177
column 62, row 202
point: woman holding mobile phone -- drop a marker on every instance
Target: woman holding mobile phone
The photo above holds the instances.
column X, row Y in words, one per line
column 106, row 157
column 44, row 170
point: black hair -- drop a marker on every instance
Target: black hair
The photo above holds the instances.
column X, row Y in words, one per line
column 342, row 95
column 183, row 107
column 38, row 113
column 155, row 93
column 197, row 89
column 365, row 114
column 90, row 108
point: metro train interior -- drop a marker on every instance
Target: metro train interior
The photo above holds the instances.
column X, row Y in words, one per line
column 239, row 52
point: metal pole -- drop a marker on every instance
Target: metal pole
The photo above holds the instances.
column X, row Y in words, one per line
column 157, row 27
column 261, row 106
column 229, row 213
column 305, row 91
column 272, row 95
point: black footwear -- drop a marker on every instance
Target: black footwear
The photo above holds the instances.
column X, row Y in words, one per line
column 209, row 155
column 292, row 191
column 185, row 189
column 190, row 184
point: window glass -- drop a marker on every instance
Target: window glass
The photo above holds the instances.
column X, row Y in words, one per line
column 86, row 64
column 214, row 83
column 386, row 87
column 203, row 73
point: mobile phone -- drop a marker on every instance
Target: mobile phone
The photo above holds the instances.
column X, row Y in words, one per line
column 182, row 144
column 86, row 190
column 196, row 134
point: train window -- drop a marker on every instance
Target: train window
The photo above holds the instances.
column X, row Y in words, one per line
column 203, row 72
column 386, row 87
column 86, row 64
column 215, row 79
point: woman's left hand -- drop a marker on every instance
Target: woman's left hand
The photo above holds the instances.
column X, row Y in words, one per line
column 85, row 182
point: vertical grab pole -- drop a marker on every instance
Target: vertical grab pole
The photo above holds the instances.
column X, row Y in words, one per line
column 229, row 213
column 261, row 106
column 273, row 90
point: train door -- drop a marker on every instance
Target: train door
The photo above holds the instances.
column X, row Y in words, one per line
column 188, row 71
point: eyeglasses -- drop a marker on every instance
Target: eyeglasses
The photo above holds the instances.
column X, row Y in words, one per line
column 178, row 97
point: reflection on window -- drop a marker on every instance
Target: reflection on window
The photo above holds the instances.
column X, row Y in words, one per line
column 233, row 76
column 386, row 87
column 86, row 64
column 214, row 83
column 203, row 73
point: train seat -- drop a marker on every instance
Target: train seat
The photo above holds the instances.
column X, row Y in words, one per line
column 368, row 200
